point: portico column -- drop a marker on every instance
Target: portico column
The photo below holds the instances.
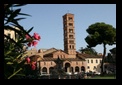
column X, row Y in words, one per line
column 47, row 70
column 79, row 69
column 68, row 69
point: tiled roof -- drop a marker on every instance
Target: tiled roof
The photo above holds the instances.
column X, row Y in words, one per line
column 68, row 59
column 34, row 57
column 53, row 52
column 50, row 49
column 91, row 56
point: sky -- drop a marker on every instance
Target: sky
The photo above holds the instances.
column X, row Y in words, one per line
column 48, row 22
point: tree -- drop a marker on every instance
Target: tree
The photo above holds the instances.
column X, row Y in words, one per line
column 113, row 55
column 101, row 33
column 58, row 68
column 113, row 51
column 111, row 59
column 108, row 58
column 88, row 50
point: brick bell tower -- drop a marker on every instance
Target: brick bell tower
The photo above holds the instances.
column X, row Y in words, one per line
column 69, row 35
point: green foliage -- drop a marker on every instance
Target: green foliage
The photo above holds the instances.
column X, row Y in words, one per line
column 111, row 57
column 113, row 50
column 101, row 33
column 88, row 51
column 13, row 48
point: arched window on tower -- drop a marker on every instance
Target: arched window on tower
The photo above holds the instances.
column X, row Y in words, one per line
column 70, row 36
column 65, row 31
column 70, row 46
column 65, row 25
column 70, row 18
column 70, row 24
column 71, row 41
column 70, row 30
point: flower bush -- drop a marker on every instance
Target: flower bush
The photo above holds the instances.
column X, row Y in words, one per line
column 35, row 37
column 15, row 63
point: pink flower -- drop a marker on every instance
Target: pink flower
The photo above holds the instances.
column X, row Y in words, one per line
column 28, row 60
column 27, row 37
column 34, row 43
column 33, row 63
column 36, row 36
column 33, row 67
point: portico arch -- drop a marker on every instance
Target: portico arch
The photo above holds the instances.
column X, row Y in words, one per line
column 51, row 69
column 82, row 68
column 76, row 69
column 44, row 69
column 67, row 67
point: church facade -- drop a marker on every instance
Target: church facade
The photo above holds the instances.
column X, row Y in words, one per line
column 72, row 61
